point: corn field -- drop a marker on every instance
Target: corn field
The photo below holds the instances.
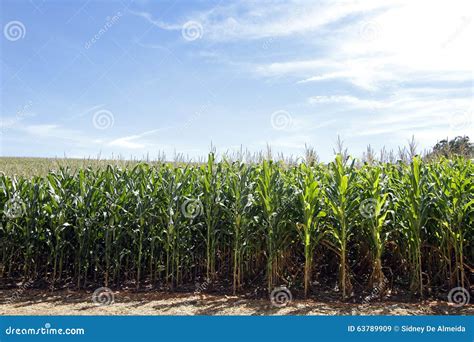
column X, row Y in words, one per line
column 244, row 226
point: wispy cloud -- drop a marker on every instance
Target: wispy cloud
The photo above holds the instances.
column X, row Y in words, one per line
column 133, row 141
column 399, row 42
column 371, row 45
column 371, row 71
column 158, row 23
column 59, row 134
column 350, row 100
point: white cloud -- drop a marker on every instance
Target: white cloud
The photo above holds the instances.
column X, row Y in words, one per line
column 126, row 142
column 413, row 116
column 266, row 19
column 44, row 130
column 350, row 100
column 55, row 132
column 410, row 41
column 158, row 23
column 134, row 141
column 269, row 19
column 369, row 44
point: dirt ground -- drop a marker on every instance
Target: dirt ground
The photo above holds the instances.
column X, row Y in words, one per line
column 34, row 302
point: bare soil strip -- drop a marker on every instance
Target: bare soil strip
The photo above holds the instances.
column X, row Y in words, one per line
column 34, row 302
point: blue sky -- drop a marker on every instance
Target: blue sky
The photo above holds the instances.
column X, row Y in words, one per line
column 131, row 78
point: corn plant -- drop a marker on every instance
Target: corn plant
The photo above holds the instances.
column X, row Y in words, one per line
column 342, row 200
column 454, row 202
column 374, row 210
column 311, row 203
column 211, row 202
column 239, row 210
column 250, row 225
column 272, row 196
column 415, row 204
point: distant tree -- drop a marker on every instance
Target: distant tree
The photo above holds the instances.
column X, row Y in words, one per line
column 459, row 146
